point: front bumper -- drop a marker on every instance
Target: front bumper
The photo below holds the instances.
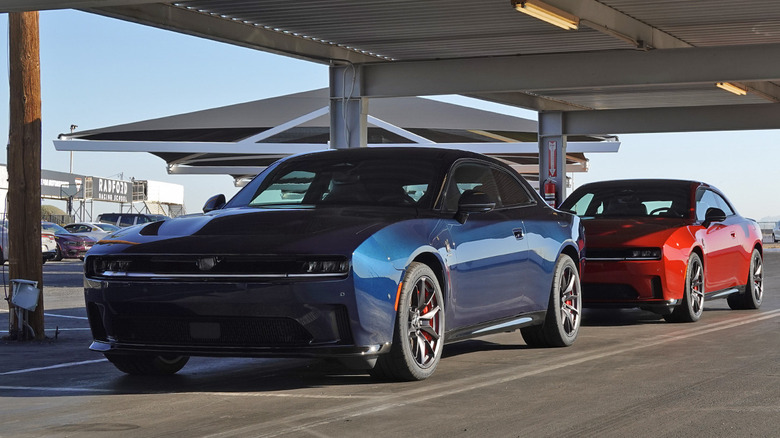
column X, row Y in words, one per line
column 646, row 284
column 283, row 319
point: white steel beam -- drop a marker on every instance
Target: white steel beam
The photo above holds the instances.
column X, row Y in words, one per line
column 607, row 20
column 555, row 71
column 676, row 119
column 284, row 149
column 187, row 147
column 177, row 169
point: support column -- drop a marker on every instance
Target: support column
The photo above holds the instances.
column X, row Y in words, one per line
column 348, row 109
column 552, row 157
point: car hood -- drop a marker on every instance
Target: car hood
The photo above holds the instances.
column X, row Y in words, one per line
column 634, row 232
column 304, row 230
column 73, row 238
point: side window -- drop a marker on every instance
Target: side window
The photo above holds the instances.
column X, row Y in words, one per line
column 580, row 208
column 470, row 176
column 510, row 190
column 126, row 220
column 707, row 199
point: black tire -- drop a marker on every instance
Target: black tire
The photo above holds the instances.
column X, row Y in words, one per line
column 418, row 336
column 564, row 311
column 692, row 304
column 754, row 288
column 148, row 365
column 57, row 255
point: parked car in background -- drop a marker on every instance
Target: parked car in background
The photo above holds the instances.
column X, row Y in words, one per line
column 48, row 244
column 71, row 246
column 776, row 232
column 129, row 219
column 666, row 246
column 95, row 230
column 375, row 256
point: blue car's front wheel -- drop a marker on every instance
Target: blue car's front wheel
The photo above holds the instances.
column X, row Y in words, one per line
column 419, row 328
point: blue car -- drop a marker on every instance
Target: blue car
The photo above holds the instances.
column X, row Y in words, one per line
column 375, row 256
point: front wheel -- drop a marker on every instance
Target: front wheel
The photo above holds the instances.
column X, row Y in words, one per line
column 754, row 289
column 418, row 337
column 692, row 304
column 562, row 322
column 148, row 365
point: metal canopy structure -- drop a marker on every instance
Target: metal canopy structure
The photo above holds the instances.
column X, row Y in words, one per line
column 631, row 66
column 627, row 54
column 242, row 139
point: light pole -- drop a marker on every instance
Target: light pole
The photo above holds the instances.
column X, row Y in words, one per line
column 72, row 128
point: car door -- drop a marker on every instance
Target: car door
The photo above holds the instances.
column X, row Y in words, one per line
column 486, row 252
column 721, row 242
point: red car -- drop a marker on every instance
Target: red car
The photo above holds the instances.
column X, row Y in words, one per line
column 666, row 246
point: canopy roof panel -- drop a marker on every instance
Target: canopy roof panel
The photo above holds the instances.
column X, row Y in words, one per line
column 241, row 139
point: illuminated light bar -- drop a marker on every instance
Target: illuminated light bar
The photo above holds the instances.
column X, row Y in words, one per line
column 732, row 88
column 548, row 13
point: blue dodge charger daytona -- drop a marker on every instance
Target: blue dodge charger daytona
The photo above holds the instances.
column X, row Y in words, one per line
column 374, row 256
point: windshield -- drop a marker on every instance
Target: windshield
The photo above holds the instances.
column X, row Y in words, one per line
column 364, row 180
column 107, row 227
column 636, row 201
column 54, row 228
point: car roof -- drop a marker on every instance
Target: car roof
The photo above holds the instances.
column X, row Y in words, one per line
column 444, row 156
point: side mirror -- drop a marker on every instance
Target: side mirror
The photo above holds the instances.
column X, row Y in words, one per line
column 713, row 215
column 473, row 202
column 214, row 203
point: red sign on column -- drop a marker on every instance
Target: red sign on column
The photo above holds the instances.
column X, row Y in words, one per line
column 552, row 155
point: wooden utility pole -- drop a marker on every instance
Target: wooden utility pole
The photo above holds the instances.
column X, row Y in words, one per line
column 24, row 158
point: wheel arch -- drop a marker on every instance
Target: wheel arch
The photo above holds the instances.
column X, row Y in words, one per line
column 572, row 252
column 432, row 261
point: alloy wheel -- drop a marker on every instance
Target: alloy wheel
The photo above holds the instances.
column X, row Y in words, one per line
column 424, row 322
column 571, row 304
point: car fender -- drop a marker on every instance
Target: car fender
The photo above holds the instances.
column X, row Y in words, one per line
column 676, row 251
column 379, row 265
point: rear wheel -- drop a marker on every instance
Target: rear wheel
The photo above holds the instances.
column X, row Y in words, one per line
column 57, row 255
column 754, row 288
column 692, row 304
column 562, row 322
column 148, row 365
column 418, row 337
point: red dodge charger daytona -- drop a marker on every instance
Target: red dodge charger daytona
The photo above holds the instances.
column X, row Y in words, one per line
column 666, row 246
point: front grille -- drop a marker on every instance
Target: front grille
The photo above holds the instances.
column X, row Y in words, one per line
column 228, row 332
column 608, row 292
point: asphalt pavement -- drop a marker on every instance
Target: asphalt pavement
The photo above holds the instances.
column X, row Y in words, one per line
column 630, row 373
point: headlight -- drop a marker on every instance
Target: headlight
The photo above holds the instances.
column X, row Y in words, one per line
column 646, row 254
column 333, row 266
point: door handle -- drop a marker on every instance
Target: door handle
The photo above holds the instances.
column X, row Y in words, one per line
column 518, row 232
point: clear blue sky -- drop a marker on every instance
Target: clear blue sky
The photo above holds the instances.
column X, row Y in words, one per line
column 98, row 72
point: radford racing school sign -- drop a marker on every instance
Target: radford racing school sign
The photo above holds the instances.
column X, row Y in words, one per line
column 112, row 190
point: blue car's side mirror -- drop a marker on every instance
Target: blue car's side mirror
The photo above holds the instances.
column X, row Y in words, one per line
column 214, row 203
column 473, row 202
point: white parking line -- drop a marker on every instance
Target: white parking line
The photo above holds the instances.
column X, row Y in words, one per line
column 40, row 388
column 52, row 367
column 54, row 315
